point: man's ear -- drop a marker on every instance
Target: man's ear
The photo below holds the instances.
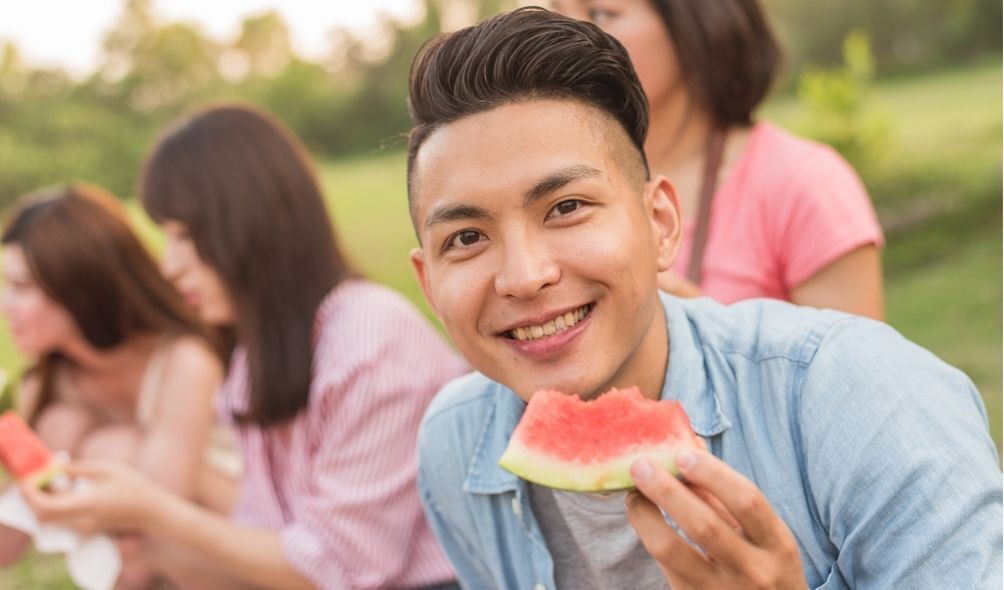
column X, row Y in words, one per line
column 667, row 224
column 418, row 263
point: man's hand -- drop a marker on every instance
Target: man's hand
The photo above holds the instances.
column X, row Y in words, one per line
column 743, row 543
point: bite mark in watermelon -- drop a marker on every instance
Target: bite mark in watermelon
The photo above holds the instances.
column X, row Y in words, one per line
column 23, row 454
column 566, row 443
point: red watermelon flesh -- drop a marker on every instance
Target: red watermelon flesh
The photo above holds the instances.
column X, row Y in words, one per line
column 23, row 454
column 566, row 443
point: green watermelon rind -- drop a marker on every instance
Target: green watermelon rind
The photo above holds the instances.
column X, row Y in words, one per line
column 44, row 476
column 605, row 476
column 47, row 475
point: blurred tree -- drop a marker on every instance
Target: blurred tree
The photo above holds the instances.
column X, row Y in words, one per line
column 837, row 108
column 13, row 72
column 905, row 34
column 170, row 68
column 156, row 66
column 54, row 128
column 381, row 93
column 309, row 99
column 134, row 27
column 264, row 42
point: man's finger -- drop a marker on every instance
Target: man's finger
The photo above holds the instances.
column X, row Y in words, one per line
column 694, row 517
column 678, row 559
column 738, row 494
column 718, row 507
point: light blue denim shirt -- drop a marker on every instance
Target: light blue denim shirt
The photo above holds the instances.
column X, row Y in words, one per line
column 873, row 451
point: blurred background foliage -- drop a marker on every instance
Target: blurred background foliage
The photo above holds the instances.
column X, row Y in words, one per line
column 55, row 128
column 908, row 90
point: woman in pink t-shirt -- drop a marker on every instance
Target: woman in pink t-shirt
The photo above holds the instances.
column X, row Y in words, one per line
column 329, row 377
column 766, row 214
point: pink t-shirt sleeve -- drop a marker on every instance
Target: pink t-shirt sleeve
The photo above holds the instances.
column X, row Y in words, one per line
column 823, row 213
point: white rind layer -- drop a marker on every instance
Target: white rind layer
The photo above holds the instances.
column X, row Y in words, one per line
column 614, row 474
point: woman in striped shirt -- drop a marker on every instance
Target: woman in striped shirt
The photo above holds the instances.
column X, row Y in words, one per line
column 326, row 386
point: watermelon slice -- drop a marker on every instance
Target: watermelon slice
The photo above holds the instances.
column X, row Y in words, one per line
column 588, row 446
column 23, row 454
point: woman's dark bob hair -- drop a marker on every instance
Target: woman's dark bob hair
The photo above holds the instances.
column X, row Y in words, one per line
column 727, row 53
column 247, row 193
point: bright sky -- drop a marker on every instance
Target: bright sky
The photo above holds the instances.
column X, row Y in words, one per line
column 69, row 32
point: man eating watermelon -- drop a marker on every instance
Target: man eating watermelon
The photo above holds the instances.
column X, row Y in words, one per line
column 840, row 455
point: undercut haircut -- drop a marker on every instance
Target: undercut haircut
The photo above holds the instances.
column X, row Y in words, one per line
column 527, row 54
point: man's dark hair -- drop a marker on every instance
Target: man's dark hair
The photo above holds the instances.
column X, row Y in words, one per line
column 527, row 54
column 727, row 54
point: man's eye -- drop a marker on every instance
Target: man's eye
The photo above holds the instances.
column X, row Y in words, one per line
column 565, row 207
column 467, row 237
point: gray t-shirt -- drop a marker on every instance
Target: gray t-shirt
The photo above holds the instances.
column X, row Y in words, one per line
column 592, row 542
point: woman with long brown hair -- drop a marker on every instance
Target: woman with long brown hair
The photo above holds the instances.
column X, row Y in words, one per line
column 326, row 386
column 121, row 368
column 766, row 213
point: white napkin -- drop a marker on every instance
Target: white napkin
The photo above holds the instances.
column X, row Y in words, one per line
column 93, row 562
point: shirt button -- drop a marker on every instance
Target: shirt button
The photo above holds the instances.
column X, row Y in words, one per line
column 518, row 510
column 540, row 587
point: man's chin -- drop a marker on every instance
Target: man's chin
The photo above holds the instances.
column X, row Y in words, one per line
column 577, row 387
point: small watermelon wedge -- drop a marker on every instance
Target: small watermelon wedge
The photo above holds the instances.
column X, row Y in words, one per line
column 566, row 443
column 23, row 454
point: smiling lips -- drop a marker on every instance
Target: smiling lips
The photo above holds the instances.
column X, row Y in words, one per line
column 552, row 327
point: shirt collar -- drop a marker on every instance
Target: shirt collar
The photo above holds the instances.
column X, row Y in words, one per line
column 686, row 380
column 484, row 476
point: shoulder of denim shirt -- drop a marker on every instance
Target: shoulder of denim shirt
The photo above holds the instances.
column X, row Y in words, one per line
column 472, row 389
column 761, row 329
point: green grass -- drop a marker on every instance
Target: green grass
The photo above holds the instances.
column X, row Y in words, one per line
column 368, row 200
column 952, row 306
column 37, row 572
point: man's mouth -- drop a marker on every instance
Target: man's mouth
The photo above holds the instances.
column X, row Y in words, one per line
column 552, row 326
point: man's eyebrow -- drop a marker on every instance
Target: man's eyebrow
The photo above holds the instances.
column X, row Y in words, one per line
column 448, row 213
column 558, row 179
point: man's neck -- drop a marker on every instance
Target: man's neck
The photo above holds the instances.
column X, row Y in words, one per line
column 646, row 369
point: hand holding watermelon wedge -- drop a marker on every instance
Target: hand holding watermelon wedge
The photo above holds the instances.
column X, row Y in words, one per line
column 25, row 456
column 758, row 553
column 114, row 497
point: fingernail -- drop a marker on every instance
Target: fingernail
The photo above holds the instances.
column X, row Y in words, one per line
column 641, row 471
column 686, row 459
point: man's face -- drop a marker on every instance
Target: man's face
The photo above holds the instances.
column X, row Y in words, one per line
column 541, row 245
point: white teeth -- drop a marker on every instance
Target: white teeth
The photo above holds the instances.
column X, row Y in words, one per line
column 558, row 324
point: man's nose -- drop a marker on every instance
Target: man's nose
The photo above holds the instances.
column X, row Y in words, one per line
column 527, row 267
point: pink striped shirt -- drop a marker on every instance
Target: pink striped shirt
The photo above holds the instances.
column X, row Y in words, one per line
column 338, row 481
